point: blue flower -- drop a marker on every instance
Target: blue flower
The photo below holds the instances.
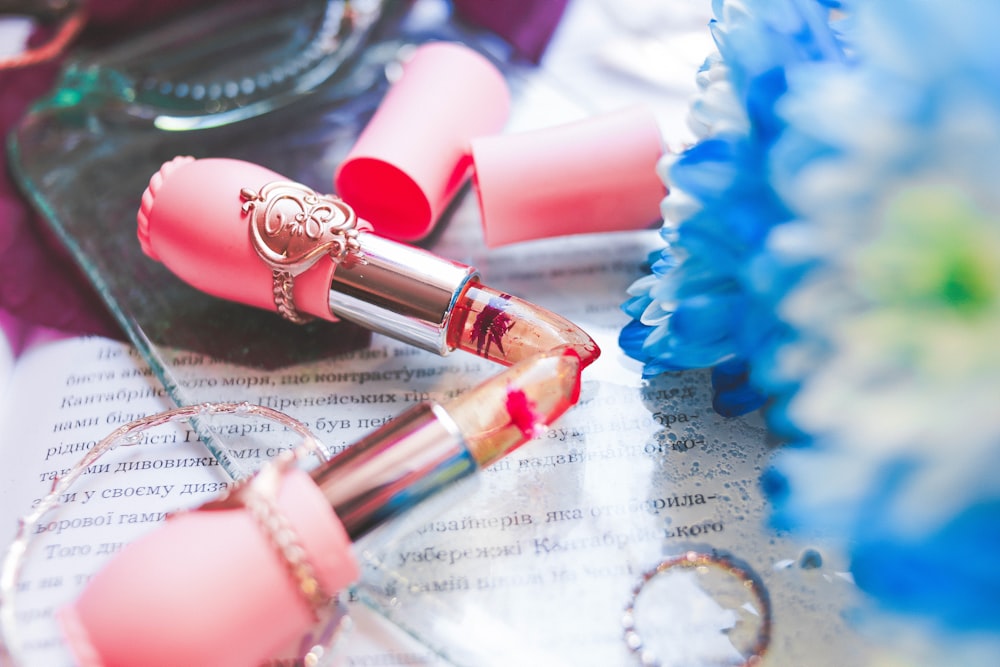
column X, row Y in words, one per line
column 891, row 166
column 833, row 246
column 709, row 299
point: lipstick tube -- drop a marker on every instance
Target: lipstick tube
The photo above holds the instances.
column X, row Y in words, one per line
column 400, row 291
column 241, row 579
column 244, row 233
column 395, row 468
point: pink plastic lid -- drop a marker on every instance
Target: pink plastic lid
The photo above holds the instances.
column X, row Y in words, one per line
column 593, row 175
column 413, row 156
column 208, row 588
column 192, row 220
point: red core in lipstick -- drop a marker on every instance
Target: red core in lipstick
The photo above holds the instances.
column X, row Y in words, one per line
column 530, row 397
column 224, row 227
column 491, row 325
column 522, row 413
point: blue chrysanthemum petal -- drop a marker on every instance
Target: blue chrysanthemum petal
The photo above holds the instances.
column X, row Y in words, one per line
column 631, row 339
column 635, row 306
column 950, row 574
column 706, row 317
column 738, row 401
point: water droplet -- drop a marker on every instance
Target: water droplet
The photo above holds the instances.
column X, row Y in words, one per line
column 810, row 559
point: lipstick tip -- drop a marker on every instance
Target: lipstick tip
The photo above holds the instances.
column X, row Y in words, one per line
column 589, row 352
column 506, row 329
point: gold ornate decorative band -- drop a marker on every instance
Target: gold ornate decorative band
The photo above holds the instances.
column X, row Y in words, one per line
column 258, row 496
column 291, row 227
column 284, row 300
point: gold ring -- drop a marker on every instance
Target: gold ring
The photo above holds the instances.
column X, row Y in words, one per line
column 697, row 560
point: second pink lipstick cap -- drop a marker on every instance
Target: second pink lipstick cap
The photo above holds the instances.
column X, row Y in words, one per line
column 413, row 156
column 592, row 175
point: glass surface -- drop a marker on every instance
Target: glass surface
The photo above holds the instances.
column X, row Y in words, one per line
column 537, row 561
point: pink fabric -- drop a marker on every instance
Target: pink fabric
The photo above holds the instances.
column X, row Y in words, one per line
column 13, row 330
column 527, row 25
column 39, row 282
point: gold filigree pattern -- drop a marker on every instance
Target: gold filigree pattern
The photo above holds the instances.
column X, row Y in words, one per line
column 291, row 227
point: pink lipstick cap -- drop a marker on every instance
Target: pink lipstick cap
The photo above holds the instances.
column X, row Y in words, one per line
column 192, row 220
column 219, row 583
column 413, row 156
column 593, row 175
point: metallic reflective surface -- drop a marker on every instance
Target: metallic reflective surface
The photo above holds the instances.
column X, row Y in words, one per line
column 399, row 290
column 384, row 474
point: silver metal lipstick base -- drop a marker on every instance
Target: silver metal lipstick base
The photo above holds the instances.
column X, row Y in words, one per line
column 394, row 468
column 399, row 290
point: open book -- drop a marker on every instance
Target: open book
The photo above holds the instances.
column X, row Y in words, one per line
column 535, row 565
column 62, row 395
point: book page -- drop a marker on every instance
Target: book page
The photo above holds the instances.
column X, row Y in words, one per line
column 67, row 395
column 535, row 561
column 9, row 341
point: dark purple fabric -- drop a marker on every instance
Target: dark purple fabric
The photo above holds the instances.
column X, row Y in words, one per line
column 527, row 24
column 39, row 283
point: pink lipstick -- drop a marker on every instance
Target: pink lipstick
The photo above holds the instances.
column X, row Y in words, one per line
column 241, row 579
column 244, row 233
